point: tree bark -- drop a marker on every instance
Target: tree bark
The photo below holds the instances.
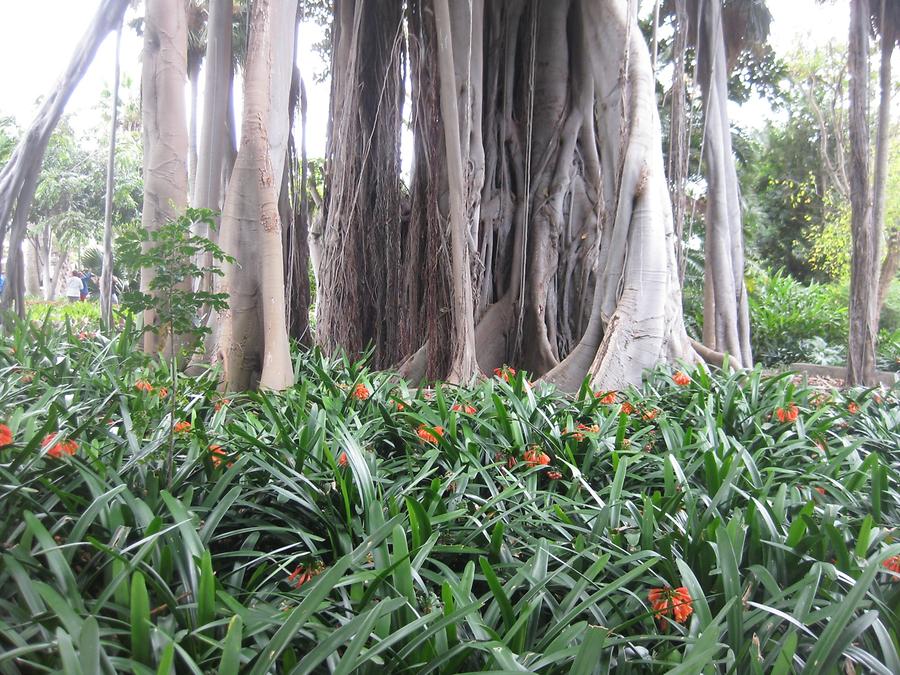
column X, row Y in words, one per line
column 864, row 257
column 882, row 146
column 18, row 178
column 359, row 294
column 724, row 231
column 106, row 273
column 165, row 135
column 252, row 340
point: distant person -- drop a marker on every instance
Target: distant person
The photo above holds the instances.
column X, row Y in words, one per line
column 85, row 289
column 74, row 286
column 2, row 282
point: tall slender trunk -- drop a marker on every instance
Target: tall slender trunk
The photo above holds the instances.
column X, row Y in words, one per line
column 164, row 126
column 193, row 74
column 32, row 267
column 864, row 253
column 463, row 365
column 679, row 132
column 882, row 147
column 18, row 178
column 724, row 235
column 106, row 273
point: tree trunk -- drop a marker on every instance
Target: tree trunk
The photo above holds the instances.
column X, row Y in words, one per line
column 253, row 339
column 882, row 147
column 163, row 76
column 724, row 231
column 679, row 133
column 18, row 178
column 359, row 295
column 193, row 74
column 106, row 273
column 32, row 268
column 864, row 257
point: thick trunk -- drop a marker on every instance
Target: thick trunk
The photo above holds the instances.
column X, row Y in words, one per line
column 163, row 77
column 18, row 178
column 253, row 341
column 359, row 300
column 106, row 274
column 864, row 253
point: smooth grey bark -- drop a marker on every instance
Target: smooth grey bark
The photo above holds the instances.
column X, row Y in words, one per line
column 729, row 313
column 18, row 178
column 864, row 256
column 106, row 274
column 164, row 126
column 252, row 333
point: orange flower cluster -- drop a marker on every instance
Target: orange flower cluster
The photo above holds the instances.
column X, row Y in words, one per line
column 788, row 414
column 425, row 433
column 216, row 453
column 400, row 406
column 505, row 373
column 6, row 437
column 360, row 392
column 182, row 427
column 342, row 459
column 58, row 448
column 534, row 456
column 650, row 415
column 302, row 574
column 681, row 379
column 469, row 410
column 893, row 565
column 554, row 475
column 221, row 403
column 627, row 408
column 606, row 397
column 86, row 335
column 143, row 385
column 852, row 408
column 666, row 600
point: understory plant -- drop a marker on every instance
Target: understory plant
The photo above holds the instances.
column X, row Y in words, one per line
column 709, row 522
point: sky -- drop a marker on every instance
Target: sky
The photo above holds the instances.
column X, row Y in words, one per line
column 37, row 38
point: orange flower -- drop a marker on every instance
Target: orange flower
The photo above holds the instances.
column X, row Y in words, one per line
column 216, row 453
column 426, row 434
column 681, row 379
column 58, row 448
column 162, row 392
column 606, row 397
column 594, row 428
column 852, row 408
column 182, row 427
column 893, row 565
column 360, row 392
column 534, row 456
column 86, row 335
column 299, row 576
column 221, row 403
column 554, row 475
column 627, row 408
column 505, row 372
column 820, row 490
column 469, row 410
column 400, row 406
column 650, row 415
column 666, row 601
column 788, row 414
column 511, row 462
column 342, row 459
column 6, row 437
column 143, row 385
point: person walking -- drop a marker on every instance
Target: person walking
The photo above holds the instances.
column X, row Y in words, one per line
column 74, row 285
column 85, row 289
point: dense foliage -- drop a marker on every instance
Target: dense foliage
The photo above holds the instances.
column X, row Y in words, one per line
column 351, row 524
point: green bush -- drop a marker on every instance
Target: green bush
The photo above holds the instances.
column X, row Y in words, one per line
column 84, row 315
column 351, row 524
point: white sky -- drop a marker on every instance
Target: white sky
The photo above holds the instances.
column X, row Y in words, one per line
column 37, row 38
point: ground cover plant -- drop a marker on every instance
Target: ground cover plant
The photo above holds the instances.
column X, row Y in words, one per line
column 713, row 523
